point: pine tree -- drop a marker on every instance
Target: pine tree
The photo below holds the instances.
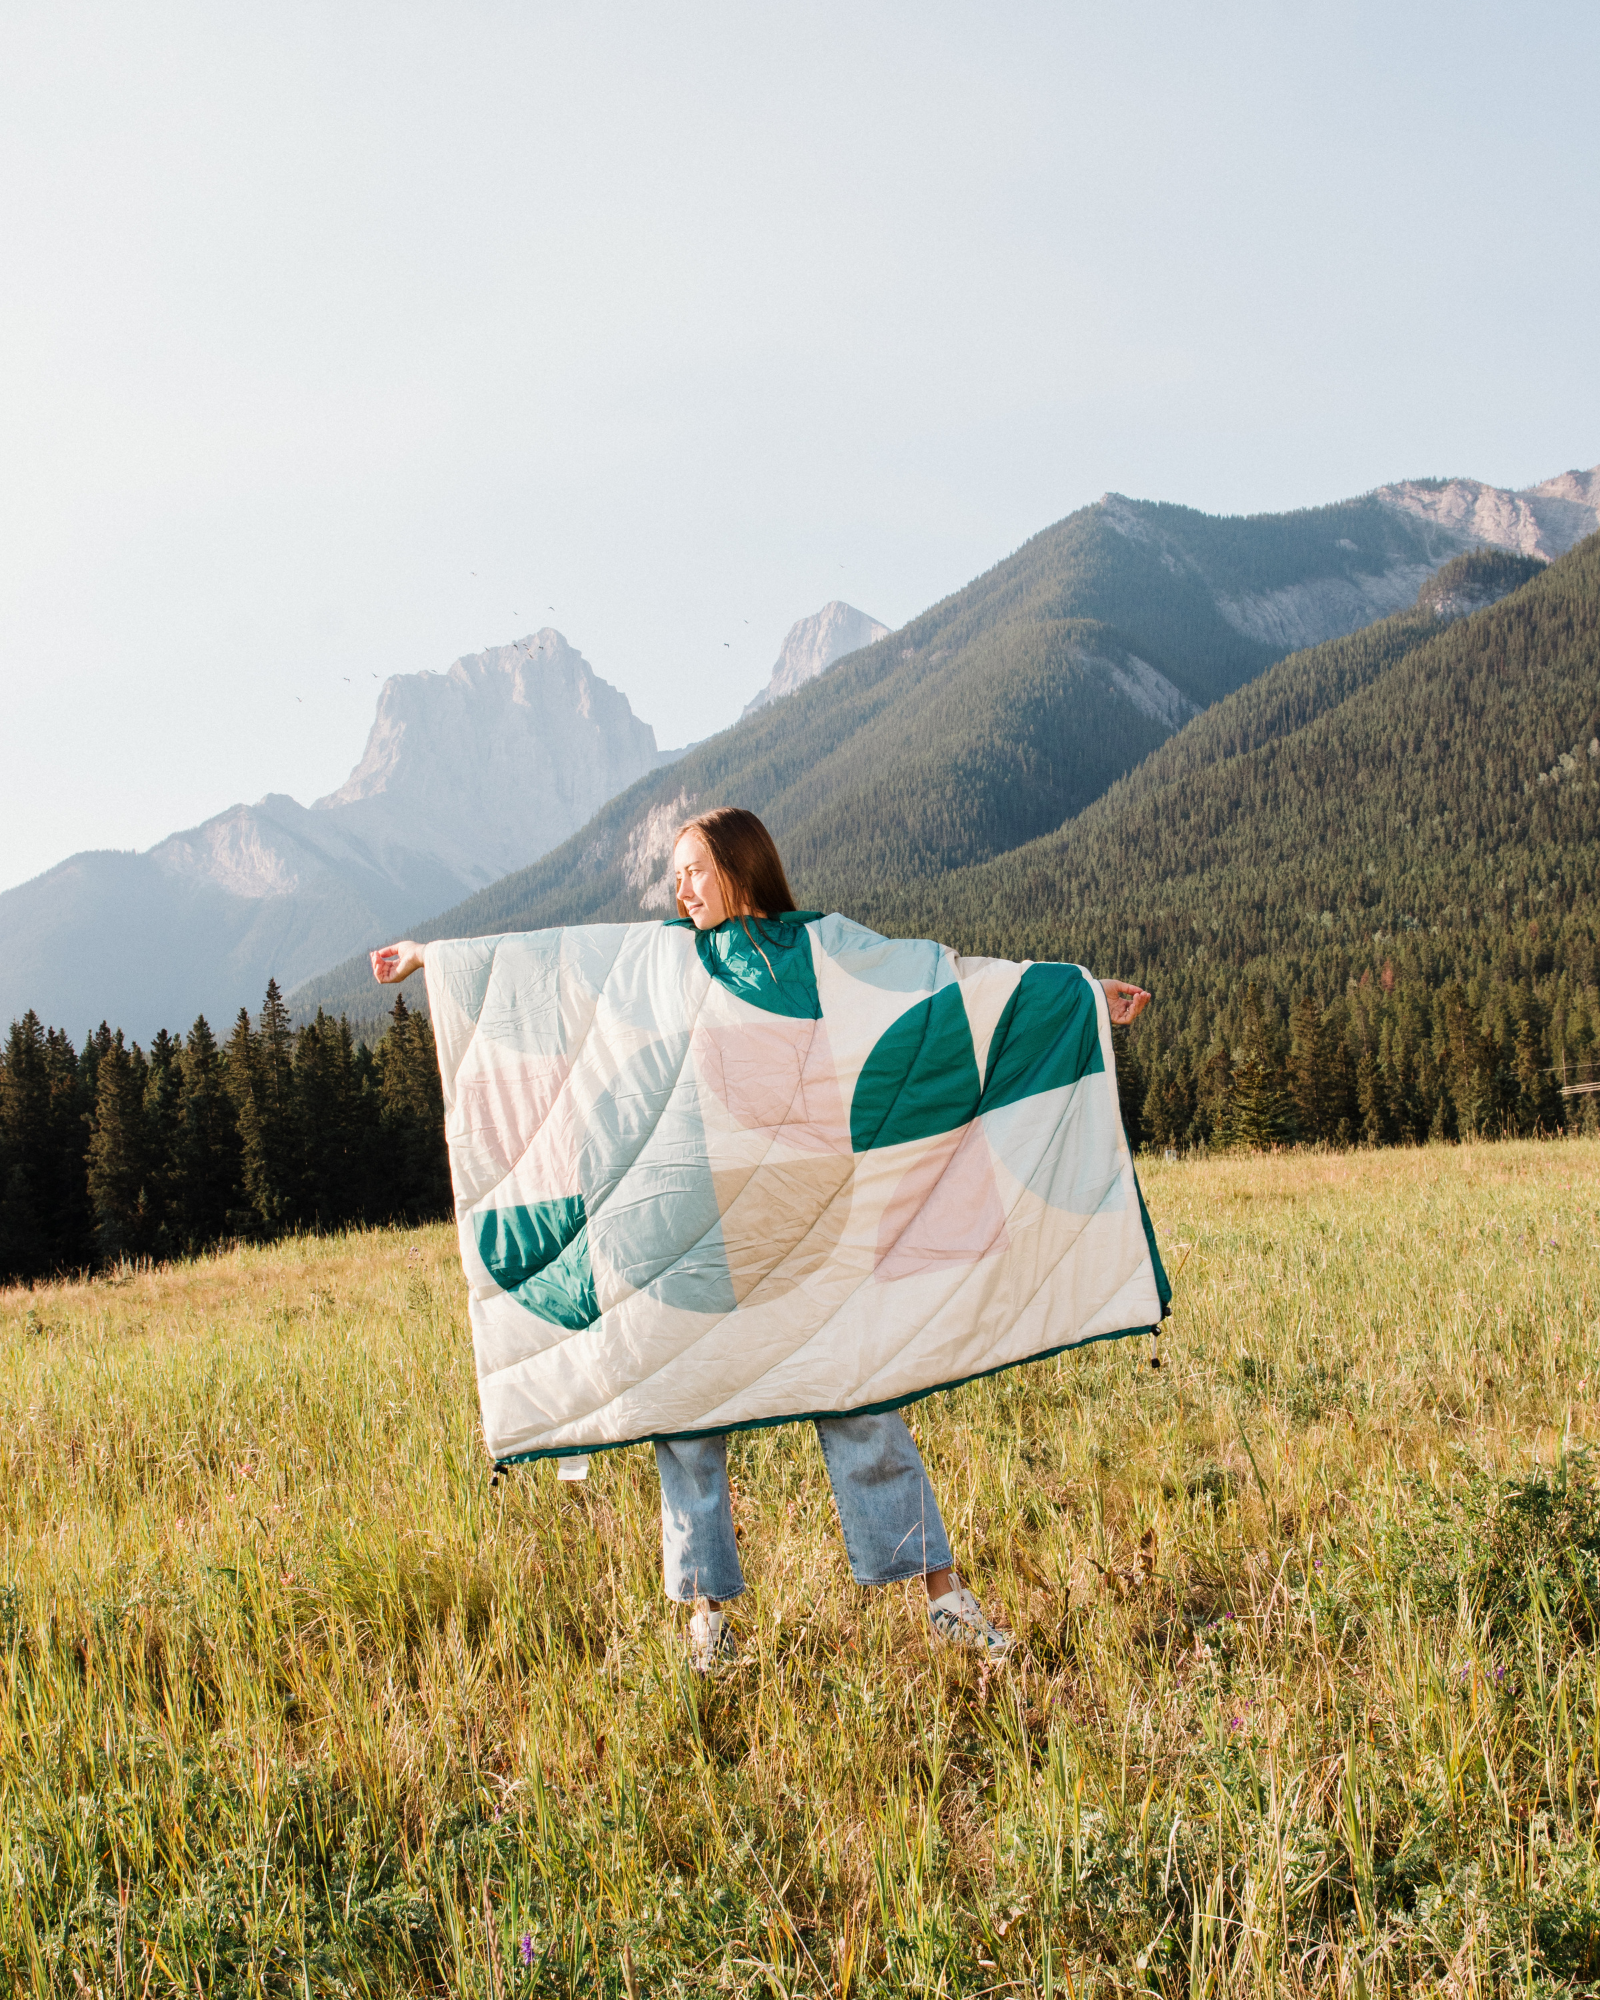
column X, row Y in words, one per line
column 1430, row 1093
column 1538, row 1100
column 23, row 1122
column 333, row 1133
column 412, row 1111
column 163, row 1086
column 1470, row 1060
column 1337, row 1080
column 1168, row 1110
column 1130, row 1087
column 119, row 1163
column 1307, row 1071
column 44, row 1207
column 261, row 1083
column 1258, row 1115
column 241, row 1070
column 1214, row 1095
column 1372, row 1100
column 206, row 1167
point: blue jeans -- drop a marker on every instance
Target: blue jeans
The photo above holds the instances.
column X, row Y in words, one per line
column 891, row 1521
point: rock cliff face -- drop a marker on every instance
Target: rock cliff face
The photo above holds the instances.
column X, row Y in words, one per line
column 498, row 759
column 1324, row 607
column 814, row 644
column 466, row 775
column 1544, row 520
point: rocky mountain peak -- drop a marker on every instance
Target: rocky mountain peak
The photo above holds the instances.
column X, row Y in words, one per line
column 481, row 691
column 812, row 646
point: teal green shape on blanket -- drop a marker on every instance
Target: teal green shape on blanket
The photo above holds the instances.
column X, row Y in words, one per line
column 652, row 1202
column 921, row 1077
column 764, row 960
column 465, row 974
column 539, row 1254
column 1048, row 1036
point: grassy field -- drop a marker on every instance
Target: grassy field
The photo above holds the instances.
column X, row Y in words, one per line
column 1307, row 1696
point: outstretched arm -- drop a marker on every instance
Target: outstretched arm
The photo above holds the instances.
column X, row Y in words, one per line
column 1126, row 1003
column 393, row 962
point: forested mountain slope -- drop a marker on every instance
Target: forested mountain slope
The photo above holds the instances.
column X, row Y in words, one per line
column 1389, row 844
column 991, row 718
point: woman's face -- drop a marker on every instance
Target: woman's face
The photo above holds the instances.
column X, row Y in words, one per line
column 699, row 890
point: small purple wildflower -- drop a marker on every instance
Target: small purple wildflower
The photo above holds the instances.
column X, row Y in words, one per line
column 1499, row 1673
column 526, row 1947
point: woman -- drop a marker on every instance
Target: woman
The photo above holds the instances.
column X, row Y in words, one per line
column 727, row 870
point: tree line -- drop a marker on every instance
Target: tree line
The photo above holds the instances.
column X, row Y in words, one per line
column 1400, row 1058
column 113, row 1151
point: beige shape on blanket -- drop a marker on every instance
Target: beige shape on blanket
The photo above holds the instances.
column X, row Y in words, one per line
column 781, row 1223
column 775, row 1074
column 946, row 1209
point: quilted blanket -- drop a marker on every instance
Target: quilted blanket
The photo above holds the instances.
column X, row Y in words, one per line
column 786, row 1168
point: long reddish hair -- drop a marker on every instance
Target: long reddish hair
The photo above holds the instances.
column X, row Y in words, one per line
column 745, row 857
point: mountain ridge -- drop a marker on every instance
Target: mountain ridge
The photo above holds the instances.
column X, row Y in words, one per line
column 1007, row 707
column 1362, row 890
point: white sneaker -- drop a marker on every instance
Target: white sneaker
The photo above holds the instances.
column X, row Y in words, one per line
column 958, row 1617
column 711, row 1640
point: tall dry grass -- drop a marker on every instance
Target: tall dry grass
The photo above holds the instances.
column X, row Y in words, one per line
column 1307, row 1697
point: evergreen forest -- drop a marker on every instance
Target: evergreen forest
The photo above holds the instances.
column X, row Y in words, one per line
column 112, row 1152
column 1361, row 889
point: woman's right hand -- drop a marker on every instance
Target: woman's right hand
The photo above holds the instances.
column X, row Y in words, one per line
column 393, row 962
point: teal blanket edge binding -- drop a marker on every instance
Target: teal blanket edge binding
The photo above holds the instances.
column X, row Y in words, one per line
column 818, row 1416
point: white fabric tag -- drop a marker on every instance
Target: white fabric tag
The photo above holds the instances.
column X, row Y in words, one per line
column 573, row 1468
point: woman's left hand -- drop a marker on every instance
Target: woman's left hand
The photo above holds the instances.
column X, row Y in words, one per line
column 393, row 962
column 1124, row 1002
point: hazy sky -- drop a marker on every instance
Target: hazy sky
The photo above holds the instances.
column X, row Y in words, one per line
column 338, row 340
